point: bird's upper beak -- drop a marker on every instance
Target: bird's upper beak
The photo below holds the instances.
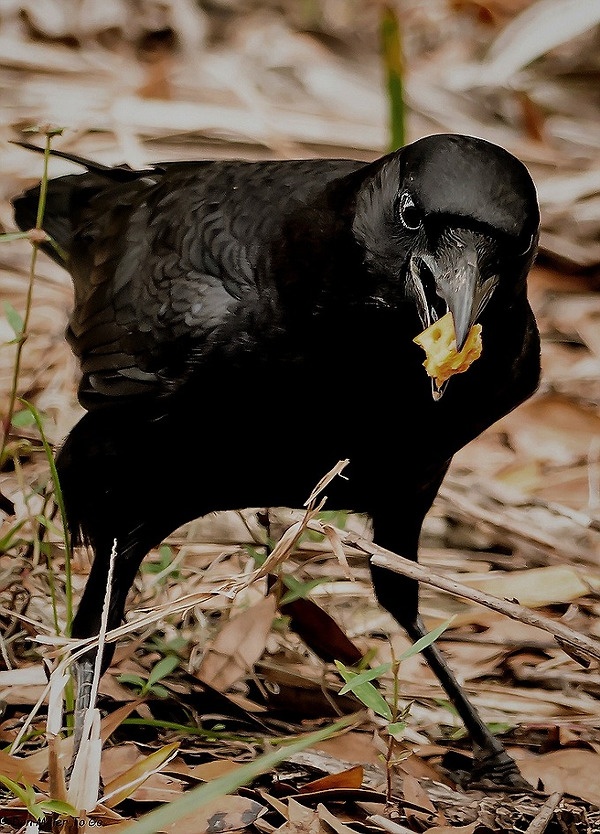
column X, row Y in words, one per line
column 453, row 277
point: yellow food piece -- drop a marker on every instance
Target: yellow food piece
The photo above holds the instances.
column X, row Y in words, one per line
column 439, row 343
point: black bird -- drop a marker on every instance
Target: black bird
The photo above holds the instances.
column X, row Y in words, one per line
column 218, row 307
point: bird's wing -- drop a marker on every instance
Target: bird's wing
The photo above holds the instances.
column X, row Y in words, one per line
column 174, row 267
column 161, row 280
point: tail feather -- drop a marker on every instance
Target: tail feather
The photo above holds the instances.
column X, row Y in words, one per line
column 67, row 196
column 116, row 173
column 58, row 214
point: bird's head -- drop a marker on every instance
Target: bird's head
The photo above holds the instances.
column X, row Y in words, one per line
column 446, row 223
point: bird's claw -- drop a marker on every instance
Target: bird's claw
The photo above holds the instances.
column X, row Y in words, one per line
column 498, row 770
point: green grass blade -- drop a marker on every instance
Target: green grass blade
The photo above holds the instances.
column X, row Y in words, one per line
column 9, row 236
column 63, row 515
column 393, row 62
column 197, row 797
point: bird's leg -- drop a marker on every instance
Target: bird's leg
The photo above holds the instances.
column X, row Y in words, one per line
column 399, row 595
column 84, row 676
column 490, row 759
column 89, row 615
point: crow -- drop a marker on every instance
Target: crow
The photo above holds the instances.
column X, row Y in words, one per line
column 242, row 326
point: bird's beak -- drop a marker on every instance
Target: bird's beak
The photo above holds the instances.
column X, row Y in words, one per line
column 454, row 277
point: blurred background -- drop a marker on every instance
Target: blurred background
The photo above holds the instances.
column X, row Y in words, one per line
column 139, row 81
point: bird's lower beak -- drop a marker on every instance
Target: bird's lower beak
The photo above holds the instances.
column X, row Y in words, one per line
column 458, row 280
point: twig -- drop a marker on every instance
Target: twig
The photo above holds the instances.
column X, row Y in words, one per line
column 541, row 820
column 565, row 636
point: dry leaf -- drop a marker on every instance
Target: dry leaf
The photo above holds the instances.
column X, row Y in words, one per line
column 567, row 771
column 414, row 793
column 538, row 586
column 332, row 821
column 352, row 778
column 228, row 813
column 127, row 782
column 302, row 820
column 238, row 645
column 26, row 770
column 205, row 772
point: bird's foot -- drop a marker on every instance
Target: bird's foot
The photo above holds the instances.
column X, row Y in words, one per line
column 497, row 770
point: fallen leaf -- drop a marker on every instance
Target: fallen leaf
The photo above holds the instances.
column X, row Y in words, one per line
column 238, row 645
column 351, row 778
column 22, row 770
column 332, row 821
column 538, row 586
column 203, row 772
column 302, row 820
column 352, row 747
column 127, row 782
column 568, row 771
column 416, row 794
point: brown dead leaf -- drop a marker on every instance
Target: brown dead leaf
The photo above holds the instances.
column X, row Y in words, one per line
column 353, row 746
column 113, row 720
column 352, row 778
column 159, row 788
column 320, row 632
column 538, row 586
column 302, row 820
column 332, row 821
column 567, row 771
column 228, row 813
column 205, row 772
column 127, row 782
column 414, row 793
column 26, row 770
column 238, row 645
column 471, row 828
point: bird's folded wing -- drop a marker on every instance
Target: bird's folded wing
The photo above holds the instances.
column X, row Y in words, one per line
column 158, row 287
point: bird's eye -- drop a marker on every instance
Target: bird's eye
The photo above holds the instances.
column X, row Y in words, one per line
column 410, row 215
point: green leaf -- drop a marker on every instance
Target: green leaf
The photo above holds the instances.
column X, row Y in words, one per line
column 22, row 419
column 424, row 641
column 163, row 668
column 14, row 318
column 297, row 588
column 366, row 693
column 18, row 791
column 58, row 249
column 159, row 690
column 8, row 541
column 256, row 553
column 397, row 729
column 58, row 497
column 362, row 677
column 132, row 680
column 57, row 806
